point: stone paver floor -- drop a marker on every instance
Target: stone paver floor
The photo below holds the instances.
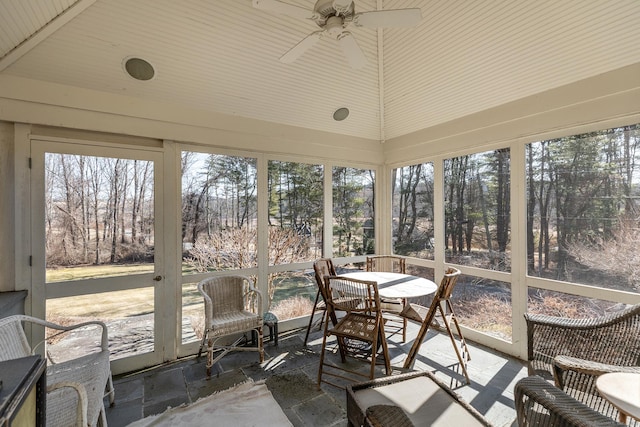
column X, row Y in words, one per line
column 290, row 372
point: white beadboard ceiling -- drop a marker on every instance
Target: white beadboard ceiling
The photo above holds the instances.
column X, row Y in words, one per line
column 222, row 56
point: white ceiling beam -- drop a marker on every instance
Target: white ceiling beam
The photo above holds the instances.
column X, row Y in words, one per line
column 52, row 26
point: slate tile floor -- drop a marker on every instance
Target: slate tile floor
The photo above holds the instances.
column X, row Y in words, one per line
column 290, row 372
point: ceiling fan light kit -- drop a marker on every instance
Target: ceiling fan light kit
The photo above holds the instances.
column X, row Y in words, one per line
column 333, row 17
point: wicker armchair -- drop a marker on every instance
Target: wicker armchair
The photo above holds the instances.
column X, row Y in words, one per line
column 539, row 403
column 76, row 387
column 576, row 351
column 232, row 305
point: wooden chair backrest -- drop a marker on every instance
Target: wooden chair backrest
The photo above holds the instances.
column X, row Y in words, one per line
column 443, row 293
column 448, row 282
column 352, row 295
column 390, row 263
column 323, row 267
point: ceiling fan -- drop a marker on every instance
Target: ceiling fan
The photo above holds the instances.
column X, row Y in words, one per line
column 333, row 17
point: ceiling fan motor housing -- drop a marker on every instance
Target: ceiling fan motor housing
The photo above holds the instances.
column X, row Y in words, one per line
column 325, row 10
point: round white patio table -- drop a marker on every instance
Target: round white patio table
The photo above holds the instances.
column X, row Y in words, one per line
column 396, row 285
column 622, row 389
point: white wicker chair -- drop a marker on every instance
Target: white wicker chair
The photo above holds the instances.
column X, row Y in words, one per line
column 76, row 387
column 232, row 305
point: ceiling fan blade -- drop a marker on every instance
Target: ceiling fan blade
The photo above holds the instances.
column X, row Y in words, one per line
column 296, row 52
column 388, row 18
column 283, row 8
column 352, row 50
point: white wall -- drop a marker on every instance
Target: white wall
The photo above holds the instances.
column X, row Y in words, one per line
column 36, row 102
column 7, row 223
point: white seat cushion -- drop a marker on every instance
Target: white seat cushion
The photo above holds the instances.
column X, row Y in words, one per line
column 424, row 402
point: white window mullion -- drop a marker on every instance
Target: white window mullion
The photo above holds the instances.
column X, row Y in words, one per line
column 438, row 217
column 263, row 229
column 518, row 248
column 327, row 221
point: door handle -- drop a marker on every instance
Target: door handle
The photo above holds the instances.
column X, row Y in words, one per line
column 157, row 278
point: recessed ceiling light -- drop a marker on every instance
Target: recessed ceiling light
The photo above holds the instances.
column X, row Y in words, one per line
column 139, row 69
column 340, row 114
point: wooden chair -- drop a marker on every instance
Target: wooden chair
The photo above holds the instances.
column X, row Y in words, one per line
column 393, row 306
column 322, row 267
column 391, row 263
column 362, row 322
column 441, row 305
column 76, row 387
column 232, row 305
column 574, row 352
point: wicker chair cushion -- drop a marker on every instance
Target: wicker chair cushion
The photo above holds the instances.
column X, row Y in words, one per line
column 423, row 400
column 233, row 322
column 387, row 416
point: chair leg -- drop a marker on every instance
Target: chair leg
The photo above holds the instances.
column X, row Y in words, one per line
column 260, row 344
column 209, row 357
column 463, row 357
column 324, row 345
column 111, row 391
column 415, row 347
column 374, row 354
column 404, row 322
column 385, row 351
column 204, row 339
column 404, row 330
column 313, row 311
column 102, row 419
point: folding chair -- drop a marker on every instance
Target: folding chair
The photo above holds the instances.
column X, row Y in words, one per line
column 426, row 316
column 322, row 267
column 362, row 322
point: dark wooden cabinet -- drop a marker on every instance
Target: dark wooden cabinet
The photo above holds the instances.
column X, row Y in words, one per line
column 23, row 392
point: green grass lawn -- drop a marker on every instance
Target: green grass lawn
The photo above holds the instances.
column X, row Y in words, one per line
column 96, row 271
column 135, row 302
